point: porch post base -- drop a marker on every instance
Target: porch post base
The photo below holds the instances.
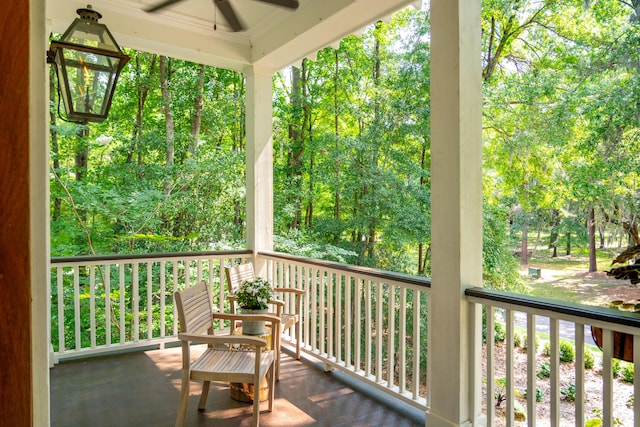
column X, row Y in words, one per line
column 434, row 420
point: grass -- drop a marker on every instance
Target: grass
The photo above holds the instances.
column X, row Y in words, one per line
column 578, row 260
column 569, row 281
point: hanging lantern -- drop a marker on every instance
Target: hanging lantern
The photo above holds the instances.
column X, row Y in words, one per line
column 88, row 63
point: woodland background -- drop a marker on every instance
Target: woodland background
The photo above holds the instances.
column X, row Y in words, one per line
column 561, row 132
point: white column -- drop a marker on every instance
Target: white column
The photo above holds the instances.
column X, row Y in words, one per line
column 259, row 161
column 39, row 212
column 456, row 210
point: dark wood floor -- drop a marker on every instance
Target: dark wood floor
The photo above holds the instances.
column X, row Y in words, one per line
column 142, row 389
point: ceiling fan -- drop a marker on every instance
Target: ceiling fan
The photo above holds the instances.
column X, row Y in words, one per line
column 227, row 10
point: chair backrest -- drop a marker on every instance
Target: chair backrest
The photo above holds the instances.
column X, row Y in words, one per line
column 194, row 309
column 238, row 274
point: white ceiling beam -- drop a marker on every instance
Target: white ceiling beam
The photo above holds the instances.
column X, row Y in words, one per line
column 133, row 28
column 185, row 31
column 318, row 25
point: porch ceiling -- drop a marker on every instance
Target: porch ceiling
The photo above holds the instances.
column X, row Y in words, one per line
column 274, row 38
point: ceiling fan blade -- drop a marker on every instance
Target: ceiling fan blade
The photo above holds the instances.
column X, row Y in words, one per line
column 291, row 4
column 229, row 15
column 162, row 5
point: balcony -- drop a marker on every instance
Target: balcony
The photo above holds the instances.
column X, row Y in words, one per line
column 368, row 327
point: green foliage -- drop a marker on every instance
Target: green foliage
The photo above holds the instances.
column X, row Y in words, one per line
column 539, row 394
column 567, row 352
column 597, row 420
column 545, row 370
column 627, row 372
column 254, row 294
column 500, row 334
column 588, row 359
column 525, row 342
column 616, row 368
column 500, row 270
column 569, row 392
column 546, row 350
column 517, row 340
column 499, row 394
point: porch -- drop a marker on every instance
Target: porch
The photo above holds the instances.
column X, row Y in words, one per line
column 142, row 388
column 368, row 328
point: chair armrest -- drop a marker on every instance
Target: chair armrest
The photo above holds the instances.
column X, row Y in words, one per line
column 290, row 290
column 270, row 318
column 225, row 339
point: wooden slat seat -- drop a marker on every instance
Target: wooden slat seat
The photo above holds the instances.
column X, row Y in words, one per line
column 238, row 274
column 228, row 358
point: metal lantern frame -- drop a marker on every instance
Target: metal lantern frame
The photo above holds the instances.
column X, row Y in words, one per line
column 88, row 62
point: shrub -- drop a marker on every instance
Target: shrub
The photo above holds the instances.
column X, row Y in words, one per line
column 627, row 373
column 588, row 359
column 517, row 340
column 597, row 420
column 500, row 394
column 547, row 349
column 545, row 371
column 569, row 392
column 539, row 394
column 525, row 342
column 501, row 334
column 615, row 368
column 567, row 353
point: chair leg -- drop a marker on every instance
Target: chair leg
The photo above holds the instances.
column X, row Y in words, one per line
column 298, row 339
column 184, row 400
column 203, row 396
column 271, row 379
column 278, row 348
column 256, row 405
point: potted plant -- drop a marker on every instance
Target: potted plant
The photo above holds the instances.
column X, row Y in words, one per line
column 253, row 297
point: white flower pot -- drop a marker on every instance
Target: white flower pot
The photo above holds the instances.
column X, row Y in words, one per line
column 253, row 327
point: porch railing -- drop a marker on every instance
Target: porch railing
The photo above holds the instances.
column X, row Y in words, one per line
column 102, row 304
column 541, row 322
column 368, row 323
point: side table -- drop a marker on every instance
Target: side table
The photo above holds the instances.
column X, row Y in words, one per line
column 244, row 392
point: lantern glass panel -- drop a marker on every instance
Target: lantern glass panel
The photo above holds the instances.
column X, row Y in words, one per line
column 90, row 34
column 90, row 77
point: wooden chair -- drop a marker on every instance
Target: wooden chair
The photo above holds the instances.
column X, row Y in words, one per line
column 228, row 358
column 238, row 274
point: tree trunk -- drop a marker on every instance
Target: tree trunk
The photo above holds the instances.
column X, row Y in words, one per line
column 593, row 265
column 553, row 236
column 373, row 218
column 524, row 260
column 165, row 77
column 422, row 264
column 142, row 91
column 308, row 221
column 568, row 243
column 82, row 162
column 601, row 233
column 197, row 113
column 336, row 133
column 297, row 127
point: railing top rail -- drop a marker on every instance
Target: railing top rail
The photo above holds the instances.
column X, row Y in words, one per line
column 388, row 276
column 601, row 314
column 118, row 257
